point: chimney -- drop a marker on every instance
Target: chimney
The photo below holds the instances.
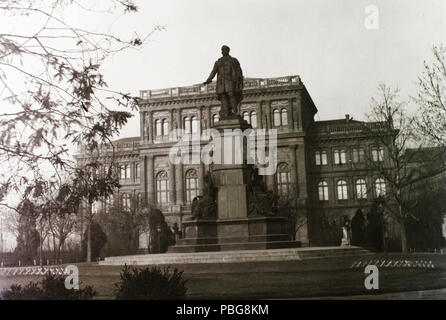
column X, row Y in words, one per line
column 347, row 118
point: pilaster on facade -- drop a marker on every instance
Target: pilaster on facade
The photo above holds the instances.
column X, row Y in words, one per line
column 259, row 110
column 293, row 169
column 302, row 171
column 290, row 114
column 150, row 179
column 150, row 127
column 172, row 187
column 179, row 183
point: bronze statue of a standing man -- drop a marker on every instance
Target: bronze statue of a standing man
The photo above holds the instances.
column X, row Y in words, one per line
column 229, row 83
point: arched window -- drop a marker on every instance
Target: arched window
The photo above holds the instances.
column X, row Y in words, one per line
column 283, row 177
column 245, row 116
column 284, row 116
column 342, row 190
column 158, row 128
column 276, row 117
column 323, row 191
column 195, row 124
column 165, row 127
column 380, row 187
column 191, row 185
column 253, row 119
column 361, row 189
column 215, row 118
column 162, row 187
column 125, row 201
column 187, row 125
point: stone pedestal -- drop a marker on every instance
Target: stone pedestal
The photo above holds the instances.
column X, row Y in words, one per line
column 233, row 228
column 234, row 234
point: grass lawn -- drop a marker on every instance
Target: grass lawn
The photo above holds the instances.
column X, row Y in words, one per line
column 279, row 279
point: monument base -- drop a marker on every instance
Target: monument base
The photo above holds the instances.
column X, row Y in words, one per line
column 252, row 233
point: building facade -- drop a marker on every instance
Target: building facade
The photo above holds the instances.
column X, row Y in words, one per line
column 321, row 164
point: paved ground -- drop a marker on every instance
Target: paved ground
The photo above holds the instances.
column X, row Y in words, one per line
column 436, row 294
column 330, row 278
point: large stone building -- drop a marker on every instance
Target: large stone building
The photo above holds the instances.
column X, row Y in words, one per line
column 322, row 162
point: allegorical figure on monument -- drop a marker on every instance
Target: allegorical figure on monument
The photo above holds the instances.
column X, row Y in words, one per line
column 229, row 83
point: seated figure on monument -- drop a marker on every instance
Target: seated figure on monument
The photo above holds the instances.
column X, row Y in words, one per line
column 229, row 83
column 261, row 202
column 206, row 205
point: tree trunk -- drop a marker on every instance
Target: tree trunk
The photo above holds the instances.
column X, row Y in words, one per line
column 403, row 237
column 403, row 230
column 89, row 242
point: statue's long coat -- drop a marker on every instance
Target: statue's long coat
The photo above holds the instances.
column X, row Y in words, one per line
column 229, row 75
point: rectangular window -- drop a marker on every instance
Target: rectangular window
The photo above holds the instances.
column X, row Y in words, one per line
column 361, row 189
column 377, row 154
column 358, row 155
column 323, row 191
column 342, row 190
column 127, row 171
column 324, row 158
column 318, row 158
column 339, row 156
column 321, row 158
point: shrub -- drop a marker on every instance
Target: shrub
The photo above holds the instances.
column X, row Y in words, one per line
column 52, row 287
column 151, row 284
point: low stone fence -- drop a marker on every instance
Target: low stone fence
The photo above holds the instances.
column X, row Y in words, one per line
column 32, row 271
column 395, row 263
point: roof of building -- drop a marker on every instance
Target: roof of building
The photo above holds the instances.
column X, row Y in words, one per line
column 346, row 120
column 201, row 89
column 128, row 139
column 425, row 154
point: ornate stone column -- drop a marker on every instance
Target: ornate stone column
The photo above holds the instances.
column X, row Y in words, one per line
column 179, row 183
column 293, row 169
column 259, row 114
column 150, row 180
column 143, row 177
column 302, row 232
column 142, row 125
column 209, row 122
column 268, row 113
column 180, row 121
column 200, row 130
column 302, row 172
column 172, row 195
column 171, row 118
column 299, row 113
column 290, row 115
column 149, row 126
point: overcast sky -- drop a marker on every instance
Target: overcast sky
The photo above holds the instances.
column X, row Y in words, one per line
column 325, row 42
